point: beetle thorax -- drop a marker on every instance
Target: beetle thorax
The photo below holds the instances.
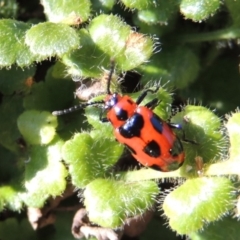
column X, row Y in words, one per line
column 119, row 109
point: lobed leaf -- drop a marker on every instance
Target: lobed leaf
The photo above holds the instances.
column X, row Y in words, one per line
column 161, row 14
column 90, row 158
column 116, row 201
column 233, row 127
column 10, row 109
column 219, row 230
column 139, row 4
column 37, row 127
column 203, row 134
column 12, row 227
column 173, row 64
column 69, row 12
column 10, row 197
column 12, row 47
column 16, row 80
column 51, row 39
column 87, row 60
column 45, row 174
column 199, row 10
column 55, row 93
column 8, row 9
column 198, row 201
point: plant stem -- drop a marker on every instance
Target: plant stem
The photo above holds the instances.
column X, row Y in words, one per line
column 221, row 168
column 147, row 174
column 225, row 34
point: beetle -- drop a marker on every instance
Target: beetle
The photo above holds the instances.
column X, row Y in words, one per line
column 151, row 140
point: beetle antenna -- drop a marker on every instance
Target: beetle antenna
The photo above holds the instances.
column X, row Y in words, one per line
column 75, row 108
column 110, row 76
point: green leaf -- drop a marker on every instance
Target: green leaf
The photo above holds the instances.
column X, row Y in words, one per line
column 199, row 10
column 8, row 164
column 71, row 123
column 108, row 37
column 117, row 201
column 139, row 4
column 62, row 226
column 10, row 197
column 11, row 173
column 50, row 39
column 145, row 20
column 118, row 41
column 109, row 33
column 52, row 94
column 88, row 60
column 45, row 174
column 12, row 229
column 157, row 229
column 170, row 66
column 8, row 9
column 16, row 80
column 233, row 8
column 226, row 228
column 12, row 37
column 160, row 14
column 37, row 127
column 208, row 199
column 10, row 109
column 138, row 49
column 233, row 127
column 220, row 99
column 203, row 127
column 78, row 154
column 89, row 158
column 92, row 114
column 70, row 12
column 103, row 5
column 58, row 71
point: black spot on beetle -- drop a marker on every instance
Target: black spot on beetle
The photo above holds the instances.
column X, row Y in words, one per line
column 152, row 149
column 121, row 114
column 130, row 101
column 132, row 127
column 156, row 167
column 157, row 123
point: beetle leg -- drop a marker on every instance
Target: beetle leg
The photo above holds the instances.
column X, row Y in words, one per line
column 152, row 104
column 101, row 118
column 179, row 127
column 144, row 94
